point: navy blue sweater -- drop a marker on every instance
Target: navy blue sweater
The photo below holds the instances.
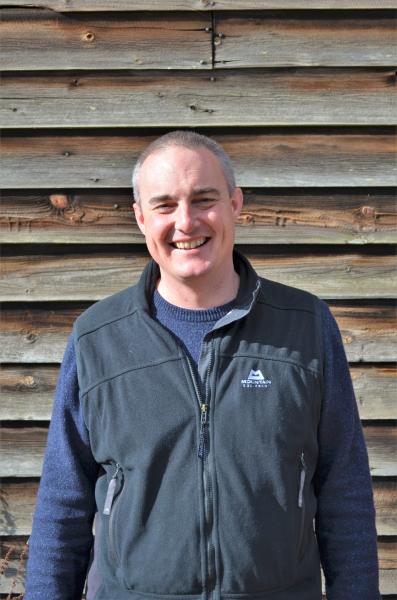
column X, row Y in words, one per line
column 345, row 522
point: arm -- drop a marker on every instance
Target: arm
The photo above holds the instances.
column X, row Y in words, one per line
column 61, row 537
column 345, row 519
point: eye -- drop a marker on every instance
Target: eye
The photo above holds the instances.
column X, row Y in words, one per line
column 205, row 202
column 164, row 208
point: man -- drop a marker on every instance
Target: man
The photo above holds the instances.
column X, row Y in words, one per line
column 211, row 415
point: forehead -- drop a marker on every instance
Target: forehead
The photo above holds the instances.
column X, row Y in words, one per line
column 178, row 166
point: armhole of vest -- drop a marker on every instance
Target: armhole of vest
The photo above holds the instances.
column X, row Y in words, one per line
column 77, row 355
column 320, row 343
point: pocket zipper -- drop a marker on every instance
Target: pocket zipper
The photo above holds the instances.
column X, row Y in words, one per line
column 110, row 492
column 302, row 480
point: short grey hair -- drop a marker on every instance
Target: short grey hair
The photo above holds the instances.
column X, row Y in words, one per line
column 187, row 139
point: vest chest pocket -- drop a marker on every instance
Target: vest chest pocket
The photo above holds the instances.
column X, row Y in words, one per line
column 301, row 502
column 112, row 503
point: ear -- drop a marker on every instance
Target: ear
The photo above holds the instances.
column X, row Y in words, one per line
column 237, row 202
column 139, row 217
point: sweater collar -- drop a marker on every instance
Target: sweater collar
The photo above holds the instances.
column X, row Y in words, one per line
column 247, row 292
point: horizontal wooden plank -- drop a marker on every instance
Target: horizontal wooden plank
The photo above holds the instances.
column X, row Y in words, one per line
column 297, row 217
column 28, row 392
column 19, row 498
column 385, row 499
column 375, row 389
column 15, row 550
column 271, row 97
column 39, row 334
column 260, row 39
column 41, row 40
column 75, row 276
column 36, row 335
column 22, row 450
column 286, row 159
column 195, row 5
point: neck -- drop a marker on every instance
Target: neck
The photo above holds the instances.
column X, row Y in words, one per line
column 196, row 295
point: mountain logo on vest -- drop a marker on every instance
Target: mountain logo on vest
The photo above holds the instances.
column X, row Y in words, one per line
column 255, row 379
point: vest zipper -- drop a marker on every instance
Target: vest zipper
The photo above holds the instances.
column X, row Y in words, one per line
column 203, row 451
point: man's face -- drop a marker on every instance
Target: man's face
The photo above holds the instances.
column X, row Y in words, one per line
column 187, row 215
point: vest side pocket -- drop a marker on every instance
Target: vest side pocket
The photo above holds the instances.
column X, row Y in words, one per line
column 112, row 502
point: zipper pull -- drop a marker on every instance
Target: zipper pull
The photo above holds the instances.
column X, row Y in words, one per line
column 203, row 422
column 110, row 492
column 302, row 480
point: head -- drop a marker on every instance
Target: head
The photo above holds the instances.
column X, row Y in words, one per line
column 186, row 205
column 186, row 139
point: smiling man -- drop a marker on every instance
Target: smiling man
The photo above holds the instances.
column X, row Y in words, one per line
column 206, row 418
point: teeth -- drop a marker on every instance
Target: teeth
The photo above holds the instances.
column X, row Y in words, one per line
column 189, row 245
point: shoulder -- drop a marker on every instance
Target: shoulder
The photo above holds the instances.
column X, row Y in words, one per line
column 286, row 297
column 105, row 311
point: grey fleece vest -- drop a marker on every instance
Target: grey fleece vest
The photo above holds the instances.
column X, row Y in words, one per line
column 205, row 489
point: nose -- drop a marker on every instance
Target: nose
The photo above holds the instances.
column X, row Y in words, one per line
column 184, row 219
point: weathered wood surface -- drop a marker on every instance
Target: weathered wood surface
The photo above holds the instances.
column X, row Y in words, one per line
column 42, row 40
column 385, row 500
column 274, row 97
column 16, row 547
column 36, row 335
column 22, row 450
column 28, row 392
column 375, row 389
column 258, row 40
column 287, row 159
column 75, row 276
column 39, row 334
column 298, row 217
column 18, row 499
column 203, row 5
column 106, row 217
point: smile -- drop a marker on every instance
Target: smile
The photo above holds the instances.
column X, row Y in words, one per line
column 190, row 245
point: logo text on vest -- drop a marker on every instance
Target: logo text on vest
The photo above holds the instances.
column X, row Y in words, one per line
column 255, row 379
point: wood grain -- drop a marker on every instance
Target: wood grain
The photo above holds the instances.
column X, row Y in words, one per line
column 75, row 276
column 256, row 40
column 286, row 159
column 356, row 217
column 40, row 40
column 38, row 334
column 271, row 97
column 195, row 5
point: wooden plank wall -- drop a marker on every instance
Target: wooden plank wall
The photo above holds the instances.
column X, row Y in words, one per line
column 302, row 96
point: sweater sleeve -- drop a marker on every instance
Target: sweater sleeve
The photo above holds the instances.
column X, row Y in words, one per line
column 345, row 519
column 61, row 538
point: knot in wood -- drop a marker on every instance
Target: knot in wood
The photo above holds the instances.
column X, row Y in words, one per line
column 347, row 339
column 115, row 206
column 60, row 201
column 88, row 36
column 29, row 381
column 31, row 338
column 368, row 211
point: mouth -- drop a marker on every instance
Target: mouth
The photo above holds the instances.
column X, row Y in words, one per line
column 191, row 245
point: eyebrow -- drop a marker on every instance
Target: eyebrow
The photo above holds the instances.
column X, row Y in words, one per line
column 196, row 192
